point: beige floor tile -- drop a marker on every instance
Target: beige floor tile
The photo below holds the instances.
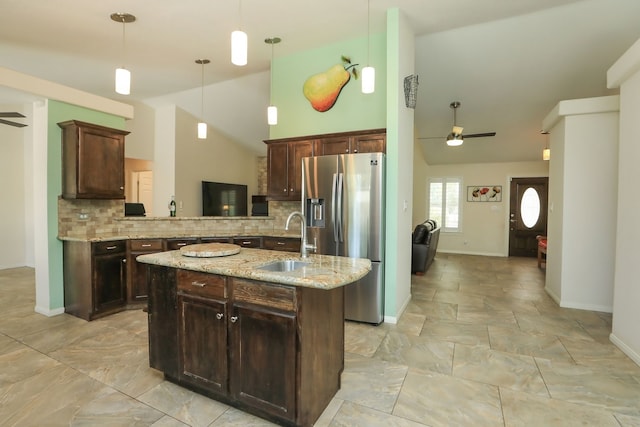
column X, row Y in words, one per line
column 509, row 339
column 351, row 414
column 362, row 339
column 456, row 332
column 417, row 352
column 22, row 363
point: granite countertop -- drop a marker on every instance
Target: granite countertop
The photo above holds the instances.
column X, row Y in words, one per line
column 107, row 237
column 323, row 271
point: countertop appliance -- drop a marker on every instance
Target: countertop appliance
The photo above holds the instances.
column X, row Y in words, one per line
column 343, row 198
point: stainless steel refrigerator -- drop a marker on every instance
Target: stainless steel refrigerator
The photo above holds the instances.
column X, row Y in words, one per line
column 343, row 199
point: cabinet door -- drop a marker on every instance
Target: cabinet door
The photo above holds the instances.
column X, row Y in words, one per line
column 108, row 282
column 137, row 272
column 277, row 171
column 100, row 164
column 297, row 150
column 374, row 143
column 163, row 320
column 202, row 336
column 333, row 145
column 263, row 359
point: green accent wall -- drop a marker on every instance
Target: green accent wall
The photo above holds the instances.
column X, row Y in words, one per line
column 60, row 112
column 352, row 111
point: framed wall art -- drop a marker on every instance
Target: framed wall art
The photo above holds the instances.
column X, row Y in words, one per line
column 484, row 193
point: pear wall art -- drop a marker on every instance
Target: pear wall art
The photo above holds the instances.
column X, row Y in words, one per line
column 322, row 89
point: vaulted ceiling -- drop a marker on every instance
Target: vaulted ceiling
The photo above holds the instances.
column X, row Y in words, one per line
column 507, row 62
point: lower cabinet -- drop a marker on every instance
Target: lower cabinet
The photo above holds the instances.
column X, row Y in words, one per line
column 137, row 272
column 94, row 278
column 274, row 350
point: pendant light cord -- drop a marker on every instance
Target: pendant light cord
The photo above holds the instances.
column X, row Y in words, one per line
column 368, row 31
column 202, row 94
column 123, row 41
column 271, row 93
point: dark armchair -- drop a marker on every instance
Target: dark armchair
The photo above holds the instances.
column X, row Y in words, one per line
column 424, row 245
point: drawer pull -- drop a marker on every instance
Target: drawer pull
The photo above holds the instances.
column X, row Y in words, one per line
column 146, row 245
column 110, row 248
column 246, row 242
column 219, row 316
column 281, row 243
column 234, row 319
column 181, row 244
column 198, row 284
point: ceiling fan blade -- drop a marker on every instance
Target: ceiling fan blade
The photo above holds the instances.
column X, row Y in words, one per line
column 16, row 124
column 11, row 114
column 479, row 135
column 432, row 137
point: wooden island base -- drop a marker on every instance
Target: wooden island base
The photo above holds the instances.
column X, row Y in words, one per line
column 273, row 350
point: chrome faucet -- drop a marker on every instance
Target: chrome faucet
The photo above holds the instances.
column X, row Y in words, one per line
column 304, row 246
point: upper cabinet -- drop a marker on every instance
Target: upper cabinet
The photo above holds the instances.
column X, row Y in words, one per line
column 284, row 157
column 92, row 161
column 284, row 168
column 373, row 141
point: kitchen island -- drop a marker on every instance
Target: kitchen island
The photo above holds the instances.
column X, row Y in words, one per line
column 268, row 342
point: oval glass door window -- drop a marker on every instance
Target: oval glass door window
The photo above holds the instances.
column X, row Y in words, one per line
column 530, row 207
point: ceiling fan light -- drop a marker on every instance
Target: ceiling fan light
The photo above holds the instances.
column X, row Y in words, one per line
column 239, row 48
column 123, row 81
column 454, row 140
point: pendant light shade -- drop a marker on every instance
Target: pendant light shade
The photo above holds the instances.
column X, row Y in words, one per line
column 202, row 125
column 368, row 72
column 239, row 43
column 368, row 79
column 272, row 110
column 123, row 81
column 239, row 48
column 546, row 154
column 123, row 76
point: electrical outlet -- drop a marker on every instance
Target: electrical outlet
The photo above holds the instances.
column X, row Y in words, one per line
column 83, row 216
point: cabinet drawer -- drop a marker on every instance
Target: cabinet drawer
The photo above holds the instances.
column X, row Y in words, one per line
column 101, row 248
column 146, row 245
column 202, row 284
column 173, row 244
column 267, row 294
column 281, row 244
column 216, row 240
column 248, row 242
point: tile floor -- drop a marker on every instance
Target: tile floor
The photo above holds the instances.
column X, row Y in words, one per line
column 480, row 344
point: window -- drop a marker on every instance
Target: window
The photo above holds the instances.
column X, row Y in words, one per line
column 445, row 205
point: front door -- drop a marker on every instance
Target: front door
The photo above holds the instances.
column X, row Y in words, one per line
column 527, row 215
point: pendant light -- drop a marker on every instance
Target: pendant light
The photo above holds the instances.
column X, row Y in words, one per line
column 272, row 110
column 239, row 42
column 123, row 76
column 202, row 125
column 368, row 72
column 546, row 153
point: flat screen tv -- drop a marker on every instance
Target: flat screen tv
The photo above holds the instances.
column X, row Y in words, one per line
column 221, row 199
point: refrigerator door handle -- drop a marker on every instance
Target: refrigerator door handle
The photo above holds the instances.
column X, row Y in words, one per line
column 334, row 207
column 339, row 208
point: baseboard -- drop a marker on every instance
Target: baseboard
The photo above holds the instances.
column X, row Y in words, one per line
column 48, row 312
column 394, row 319
column 439, row 251
column 625, row 348
column 553, row 296
column 590, row 307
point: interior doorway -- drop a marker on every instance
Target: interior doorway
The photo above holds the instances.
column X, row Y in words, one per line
column 143, row 189
column 527, row 214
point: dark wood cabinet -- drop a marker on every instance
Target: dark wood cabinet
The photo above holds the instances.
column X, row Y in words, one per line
column 92, row 161
column 162, row 317
column 137, row 272
column 178, row 242
column 202, row 330
column 287, row 244
column 94, row 278
column 284, row 168
column 373, row 141
column 274, row 350
column 248, row 242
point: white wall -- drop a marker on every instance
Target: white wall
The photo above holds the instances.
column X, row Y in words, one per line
column 139, row 143
column 217, row 159
column 626, row 304
column 484, row 225
column 587, row 155
column 13, row 144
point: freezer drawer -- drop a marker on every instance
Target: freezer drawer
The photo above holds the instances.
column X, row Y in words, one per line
column 364, row 299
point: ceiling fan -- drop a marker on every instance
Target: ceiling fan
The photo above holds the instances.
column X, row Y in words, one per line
column 456, row 137
column 12, row 114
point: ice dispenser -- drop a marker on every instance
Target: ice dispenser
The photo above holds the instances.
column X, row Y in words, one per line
column 314, row 212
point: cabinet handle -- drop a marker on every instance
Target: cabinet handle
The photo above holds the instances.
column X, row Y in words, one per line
column 246, row 242
column 280, row 243
column 198, row 284
column 346, row 151
column 146, row 245
column 233, row 319
column 122, row 188
column 181, row 244
column 110, row 248
column 219, row 316
column 285, row 190
column 291, row 189
column 355, row 151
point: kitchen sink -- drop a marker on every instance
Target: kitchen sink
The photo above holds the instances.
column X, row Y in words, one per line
column 285, row 265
